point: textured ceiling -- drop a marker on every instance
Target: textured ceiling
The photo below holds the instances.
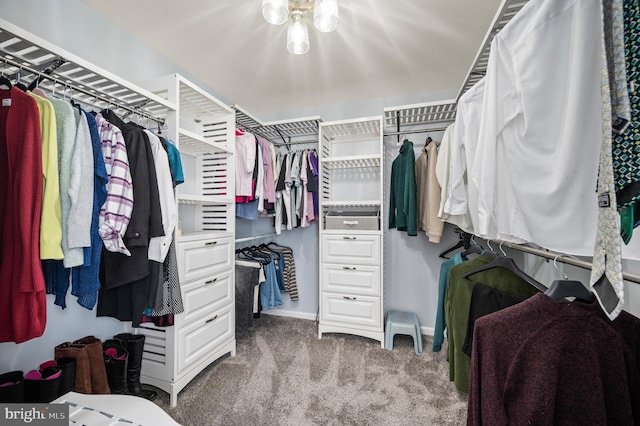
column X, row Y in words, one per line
column 382, row 48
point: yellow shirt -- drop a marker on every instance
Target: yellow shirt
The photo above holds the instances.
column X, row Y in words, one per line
column 51, row 218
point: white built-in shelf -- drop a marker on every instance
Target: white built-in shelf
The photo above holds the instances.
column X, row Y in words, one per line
column 353, row 204
column 101, row 86
column 352, row 161
column 507, row 10
column 362, row 127
column 193, row 144
column 198, row 102
column 203, row 199
column 419, row 114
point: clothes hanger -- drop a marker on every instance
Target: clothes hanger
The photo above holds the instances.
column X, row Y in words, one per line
column 458, row 245
column 473, row 248
column 561, row 289
column 4, row 81
column 506, row 262
column 19, row 84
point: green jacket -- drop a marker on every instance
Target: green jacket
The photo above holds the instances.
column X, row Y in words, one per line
column 402, row 206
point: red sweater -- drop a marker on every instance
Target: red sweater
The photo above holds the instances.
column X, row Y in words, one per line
column 22, row 287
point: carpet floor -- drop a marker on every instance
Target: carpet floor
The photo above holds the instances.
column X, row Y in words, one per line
column 284, row 375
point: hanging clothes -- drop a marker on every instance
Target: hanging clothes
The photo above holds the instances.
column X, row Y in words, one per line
column 51, row 218
column 115, row 213
column 428, row 193
column 245, row 157
column 457, row 306
column 126, row 279
column 22, row 288
column 540, row 362
column 402, row 203
column 85, row 279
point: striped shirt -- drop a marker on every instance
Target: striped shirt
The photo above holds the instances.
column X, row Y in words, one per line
column 116, row 211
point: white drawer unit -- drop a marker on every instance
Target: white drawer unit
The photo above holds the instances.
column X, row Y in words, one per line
column 352, row 279
column 204, row 257
column 351, row 236
column 355, row 310
column 199, row 338
column 204, row 130
column 206, row 295
column 359, row 249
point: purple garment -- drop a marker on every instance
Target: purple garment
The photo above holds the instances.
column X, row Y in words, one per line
column 313, row 160
column 544, row 361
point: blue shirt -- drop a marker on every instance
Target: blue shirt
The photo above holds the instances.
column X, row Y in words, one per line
column 438, row 332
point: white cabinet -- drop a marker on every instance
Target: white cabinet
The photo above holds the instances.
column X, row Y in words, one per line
column 351, row 263
column 204, row 131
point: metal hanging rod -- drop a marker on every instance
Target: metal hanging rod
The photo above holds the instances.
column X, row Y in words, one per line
column 256, row 237
column 295, row 143
column 41, row 75
column 410, row 132
column 559, row 257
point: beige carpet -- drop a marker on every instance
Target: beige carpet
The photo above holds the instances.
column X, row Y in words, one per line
column 284, row 375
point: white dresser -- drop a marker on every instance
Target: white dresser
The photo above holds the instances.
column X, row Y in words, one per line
column 351, row 247
column 204, row 131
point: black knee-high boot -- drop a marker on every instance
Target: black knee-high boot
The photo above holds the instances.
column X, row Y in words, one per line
column 134, row 344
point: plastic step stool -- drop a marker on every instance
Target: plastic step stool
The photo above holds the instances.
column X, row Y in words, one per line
column 400, row 322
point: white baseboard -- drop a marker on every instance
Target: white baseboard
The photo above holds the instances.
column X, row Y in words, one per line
column 291, row 314
column 425, row 331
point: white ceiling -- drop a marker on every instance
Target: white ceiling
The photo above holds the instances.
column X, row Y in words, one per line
column 382, row 48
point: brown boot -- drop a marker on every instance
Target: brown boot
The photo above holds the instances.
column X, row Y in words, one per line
column 99, row 383
column 83, row 368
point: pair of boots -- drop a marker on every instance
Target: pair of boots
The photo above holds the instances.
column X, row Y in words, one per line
column 51, row 380
column 123, row 362
column 90, row 374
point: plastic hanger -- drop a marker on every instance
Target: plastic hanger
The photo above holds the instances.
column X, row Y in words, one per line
column 4, row 81
column 473, row 248
column 561, row 289
column 506, row 262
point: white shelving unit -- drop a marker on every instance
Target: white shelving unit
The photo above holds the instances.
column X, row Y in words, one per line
column 351, row 264
column 203, row 128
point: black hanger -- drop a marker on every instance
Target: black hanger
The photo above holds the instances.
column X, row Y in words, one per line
column 561, row 289
column 428, row 141
column 464, row 241
column 4, row 81
column 474, row 248
column 506, row 263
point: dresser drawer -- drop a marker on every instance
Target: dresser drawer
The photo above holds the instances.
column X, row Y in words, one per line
column 361, row 311
column 203, row 336
column 356, row 279
column 206, row 295
column 197, row 259
column 351, row 249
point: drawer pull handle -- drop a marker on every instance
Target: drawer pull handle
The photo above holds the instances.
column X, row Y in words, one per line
column 210, row 243
column 211, row 281
column 348, row 298
column 350, row 222
column 348, row 238
column 349, row 268
column 211, row 319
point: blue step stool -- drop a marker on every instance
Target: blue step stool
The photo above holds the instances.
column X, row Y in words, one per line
column 400, row 322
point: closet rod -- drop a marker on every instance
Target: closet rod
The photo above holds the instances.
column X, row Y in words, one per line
column 409, row 132
column 295, row 142
column 559, row 257
column 54, row 78
column 256, row 237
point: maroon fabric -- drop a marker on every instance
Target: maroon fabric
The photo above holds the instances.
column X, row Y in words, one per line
column 545, row 362
column 162, row 321
column 22, row 287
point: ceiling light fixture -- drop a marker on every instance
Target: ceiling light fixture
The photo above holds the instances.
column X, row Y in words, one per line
column 325, row 19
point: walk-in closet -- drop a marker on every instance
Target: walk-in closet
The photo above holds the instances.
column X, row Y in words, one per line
column 319, row 212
